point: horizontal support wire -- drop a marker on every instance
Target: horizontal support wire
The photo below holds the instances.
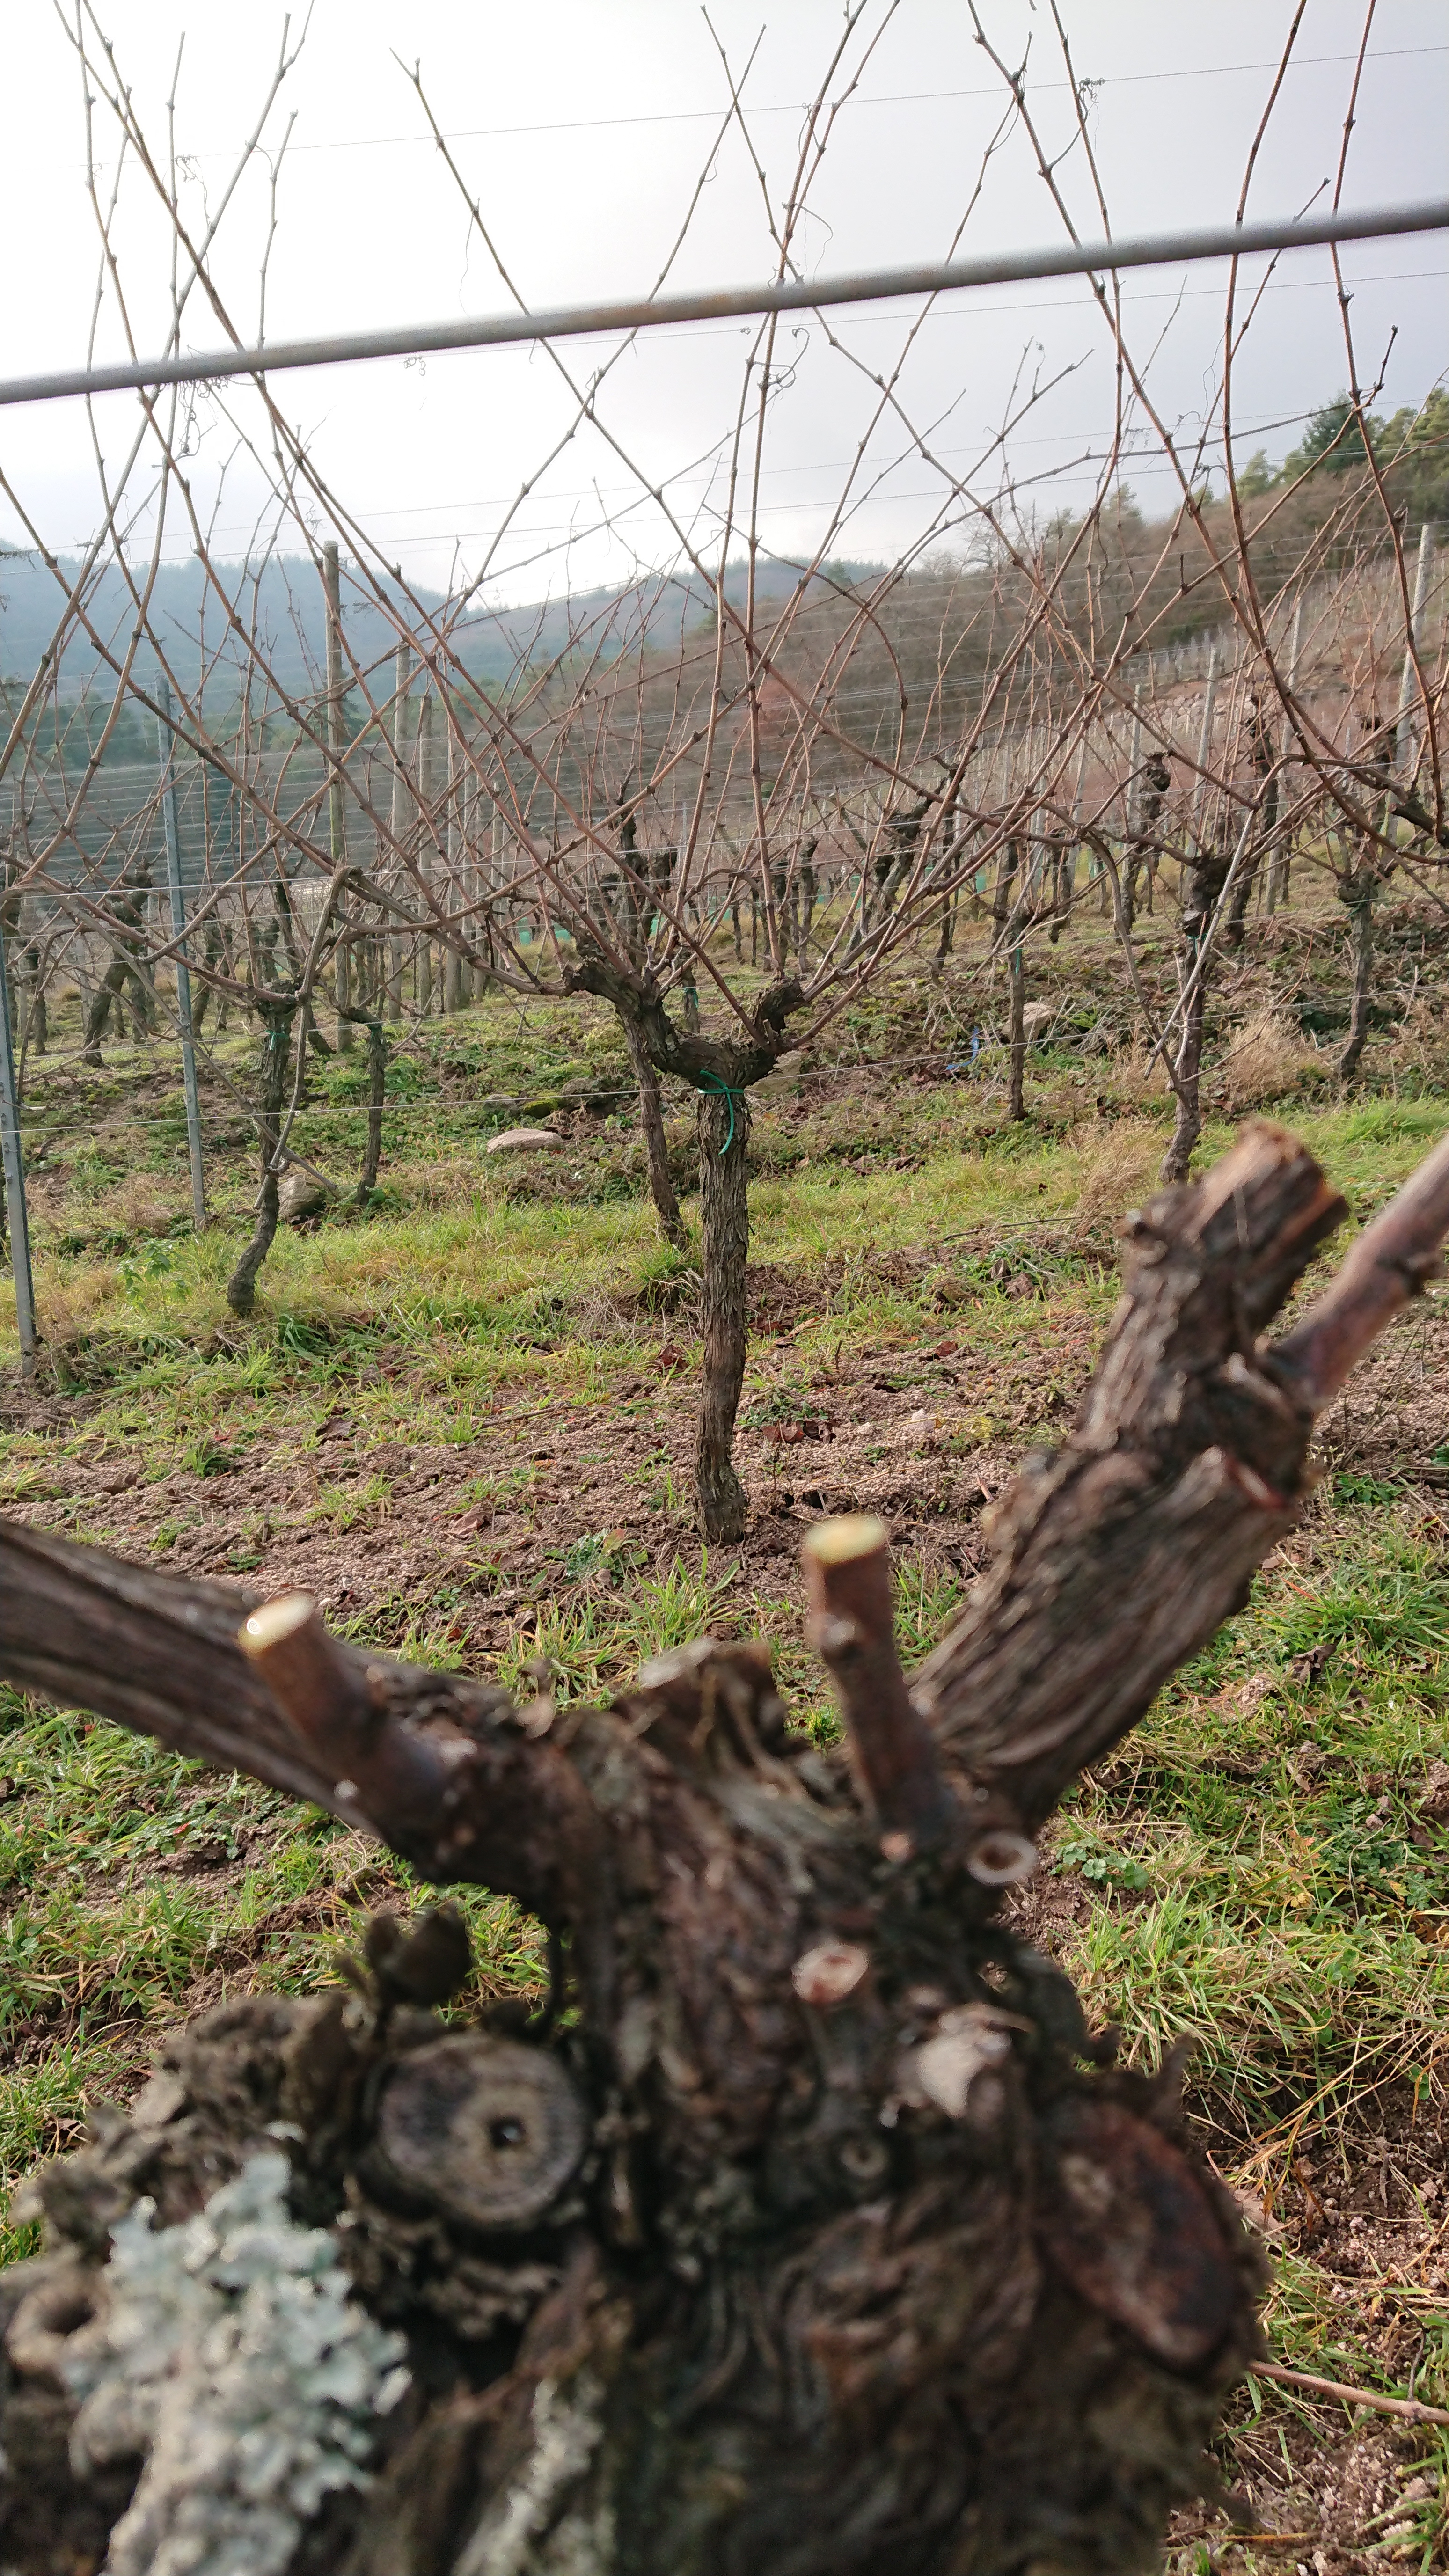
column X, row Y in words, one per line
column 793, row 295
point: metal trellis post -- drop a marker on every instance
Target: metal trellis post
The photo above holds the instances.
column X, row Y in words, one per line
column 15, row 1208
column 166, row 743
column 1406, row 731
column 1279, row 865
column 1204, row 745
column 336, row 818
column 788, row 295
column 399, row 818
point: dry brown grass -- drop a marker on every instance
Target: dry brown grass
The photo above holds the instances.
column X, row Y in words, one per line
column 1114, row 1176
column 1140, row 1076
column 142, row 1204
column 452, row 1182
column 1265, row 1059
column 1417, row 1053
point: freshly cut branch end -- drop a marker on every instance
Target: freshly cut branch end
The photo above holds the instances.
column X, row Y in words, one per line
column 387, row 1776
column 315, row 1688
column 851, row 1626
column 846, row 1540
column 1001, row 1858
column 275, row 1623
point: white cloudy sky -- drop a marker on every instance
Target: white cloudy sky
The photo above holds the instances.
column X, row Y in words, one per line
column 582, row 127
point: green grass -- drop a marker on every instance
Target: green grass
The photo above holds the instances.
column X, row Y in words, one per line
column 1251, row 1865
column 1265, row 1815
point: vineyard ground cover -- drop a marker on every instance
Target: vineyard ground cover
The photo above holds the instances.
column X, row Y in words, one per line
column 465, row 1422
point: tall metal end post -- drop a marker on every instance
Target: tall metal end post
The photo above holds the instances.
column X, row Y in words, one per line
column 15, row 1209
column 336, row 814
column 1408, row 726
column 1280, row 866
column 167, row 749
column 1204, row 745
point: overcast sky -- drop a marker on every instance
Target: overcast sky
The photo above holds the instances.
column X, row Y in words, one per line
column 583, row 127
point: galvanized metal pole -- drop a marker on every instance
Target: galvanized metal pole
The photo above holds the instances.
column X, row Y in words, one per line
column 15, row 1208
column 423, row 987
column 1072, row 854
column 1134, row 763
column 1406, row 746
column 400, row 816
column 453, row 968
column 1276, row 889
column 472, row 877
column 789, row 295
column 167, row 746
column 1204, row 743
column 336, row 819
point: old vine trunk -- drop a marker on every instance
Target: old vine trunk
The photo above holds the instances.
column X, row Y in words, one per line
column 656, row 1143
column 818, row 2233
column 724, row 1135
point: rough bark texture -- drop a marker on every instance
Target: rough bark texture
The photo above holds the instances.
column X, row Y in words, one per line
column 1002, row 902
column 1264, row 853
column 724, row 1130
column 1360, row 895
column 276, row 1019
column 125, row 969
column 1064, row 887
column 947, row 938
column 1016, row 988
column 819, row 2234
column 721, row 1070
column 1205, row 883
column 1187, row 1127
column 656, row 1145
column 376, row 1097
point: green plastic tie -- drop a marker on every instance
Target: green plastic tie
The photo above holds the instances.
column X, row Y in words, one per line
column 731, row 1092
